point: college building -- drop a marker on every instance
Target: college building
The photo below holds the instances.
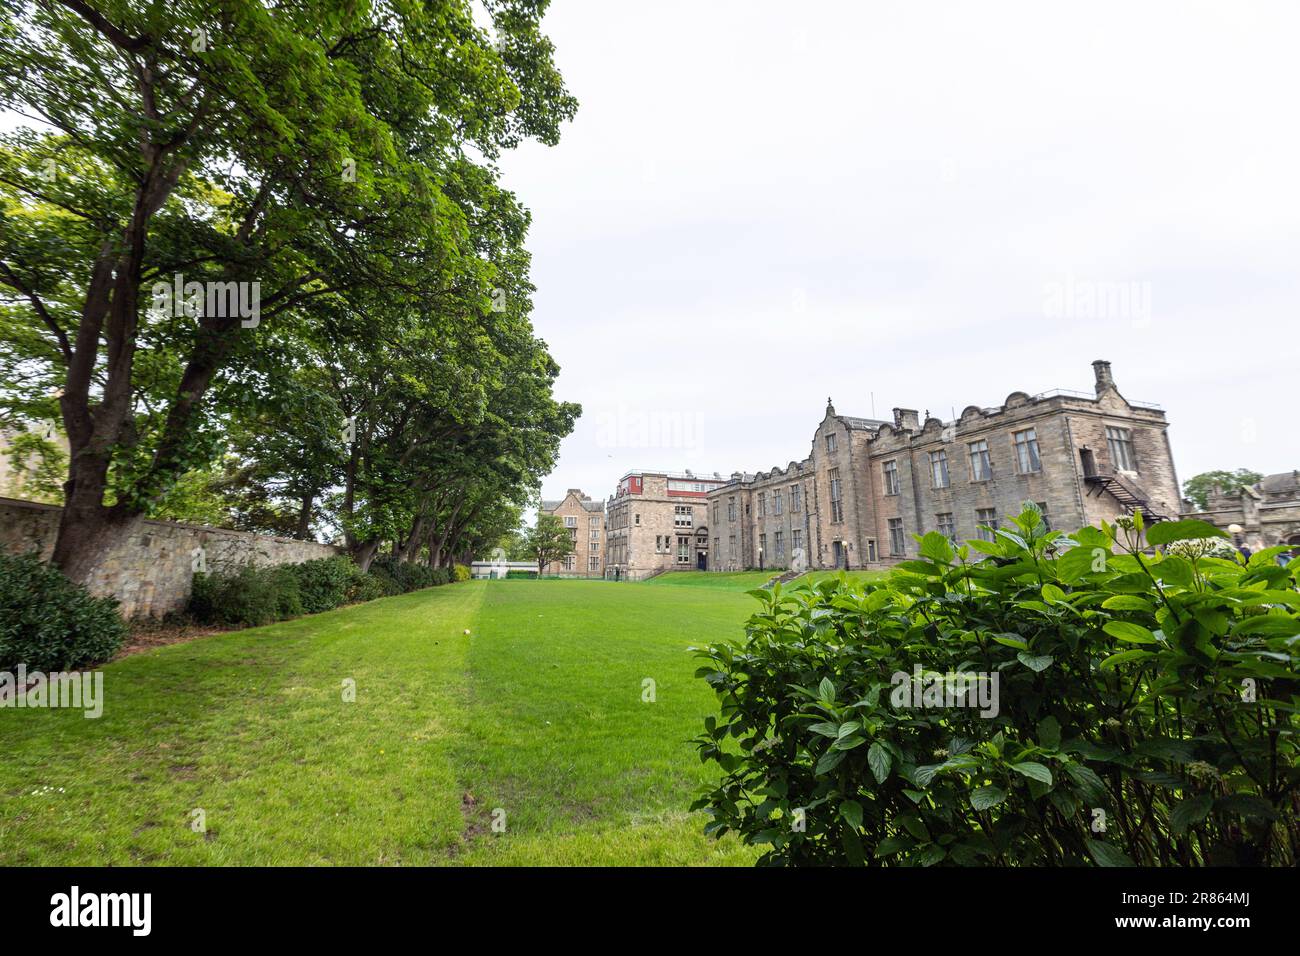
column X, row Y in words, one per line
column 658, row 521
column 585, row 520
column 868, row 485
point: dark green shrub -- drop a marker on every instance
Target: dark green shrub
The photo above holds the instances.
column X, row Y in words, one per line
column 50, row 624
column 1144, row 712
column 440, row 576
column 367, row 587
column 520, row 573
column 324, row 583
column 407, row 575
column 251, row 596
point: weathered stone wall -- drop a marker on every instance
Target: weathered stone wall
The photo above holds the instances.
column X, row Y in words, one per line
column 151, row 572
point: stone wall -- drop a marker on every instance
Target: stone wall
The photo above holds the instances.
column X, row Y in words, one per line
column 150, row 573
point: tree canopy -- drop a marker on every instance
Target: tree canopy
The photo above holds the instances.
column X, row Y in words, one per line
column 268, row 242
column 1198, row 489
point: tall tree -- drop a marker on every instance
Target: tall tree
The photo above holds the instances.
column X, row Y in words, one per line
column 303, row 147
column 548, row 541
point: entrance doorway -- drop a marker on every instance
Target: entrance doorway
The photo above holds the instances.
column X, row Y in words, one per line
column 702, row 561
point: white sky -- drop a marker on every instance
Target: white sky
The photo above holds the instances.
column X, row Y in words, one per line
column 761, row 204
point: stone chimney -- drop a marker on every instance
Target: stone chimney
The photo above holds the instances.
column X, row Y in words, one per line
column 1101, row 369
column 907, row 418
column 577, row 493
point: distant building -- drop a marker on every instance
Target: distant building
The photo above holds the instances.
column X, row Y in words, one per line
column 868, row 485
column 1268, row 512
column 658, row 521
column 585, row 520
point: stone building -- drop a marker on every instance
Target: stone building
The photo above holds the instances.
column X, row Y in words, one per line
column 658, row 521
column 1268, row 512
column 868, row 485
column 585, row 520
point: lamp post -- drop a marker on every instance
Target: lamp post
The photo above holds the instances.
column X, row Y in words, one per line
column 760, row 559
column 1236, row 531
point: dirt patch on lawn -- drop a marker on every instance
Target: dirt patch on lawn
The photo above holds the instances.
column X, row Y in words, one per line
column 145, row 635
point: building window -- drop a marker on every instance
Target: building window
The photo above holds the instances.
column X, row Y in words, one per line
column 570, row 562
column 659, row 543
column 715, row 512
column 830, row 444
column 939, row 469
column 796, row 540
column 762, row 504
column 946, row 526
column 777, row 505
column 731, row 547
column 779, row 539
column 981, row 467
column 986, row 521
column 896, row 543
column 1027, row 460
column 683, row 516
column 1120, row 442
column 731, row 509
column 837, row 505
column 717, row 550
column 890, row 469
column 570, row 522
column 593, row 563
column 636, row 520
column 683, row 550
column 762, row 546
column 795, row 499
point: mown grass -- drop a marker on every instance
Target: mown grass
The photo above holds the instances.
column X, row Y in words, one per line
column 542, row 712
column 733, row 580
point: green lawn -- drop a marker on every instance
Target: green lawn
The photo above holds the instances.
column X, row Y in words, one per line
column 538, row 712
column 734, row 580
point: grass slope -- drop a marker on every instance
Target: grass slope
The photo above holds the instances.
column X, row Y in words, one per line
column 539, row 712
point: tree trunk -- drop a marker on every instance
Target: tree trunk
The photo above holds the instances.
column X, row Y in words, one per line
column 364, row 553
column 303, row 532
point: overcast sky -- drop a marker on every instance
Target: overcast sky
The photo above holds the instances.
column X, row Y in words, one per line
column 761, row 205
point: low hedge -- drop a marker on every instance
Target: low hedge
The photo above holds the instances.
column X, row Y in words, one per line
column 255, row 595
column 50, row 624
column 1063, row 700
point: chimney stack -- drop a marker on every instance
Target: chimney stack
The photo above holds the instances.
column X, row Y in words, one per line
column 1101, row 369
column 907, row 418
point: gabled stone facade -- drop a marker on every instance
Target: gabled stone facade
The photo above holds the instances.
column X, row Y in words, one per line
column 868, row 485
column 585, row 520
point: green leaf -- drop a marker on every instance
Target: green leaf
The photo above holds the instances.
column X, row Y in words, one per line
column 851, row 811
column 1034, row 771
column 1185, row 530
column 986, row 797
column 879, row 761
column 1035, row 662
column 827, row 728
column 829, row 761
column 1049, row 733
column 1190, row 812
column 826, row 691
column 1123, row 657
column 1106, row 854
column 1129, row 632
column 1127, row 602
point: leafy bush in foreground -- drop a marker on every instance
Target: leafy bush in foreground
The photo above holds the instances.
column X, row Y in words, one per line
column 460, row 573
column 1144, row 709
column 50, row 624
